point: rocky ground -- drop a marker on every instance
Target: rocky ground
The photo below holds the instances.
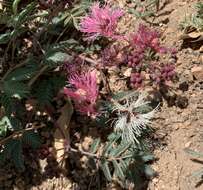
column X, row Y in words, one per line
column 178, row 126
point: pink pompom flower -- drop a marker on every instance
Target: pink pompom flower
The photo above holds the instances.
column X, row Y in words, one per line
column 83, row 92
column 102, row 21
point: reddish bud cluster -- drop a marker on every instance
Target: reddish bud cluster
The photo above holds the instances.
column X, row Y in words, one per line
column 163, row 73
column 136, row 80
column 134, row 58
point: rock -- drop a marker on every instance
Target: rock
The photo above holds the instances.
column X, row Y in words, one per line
column 197, row 72
column 181, row 102
column 188, row 144
column 184, row 86
column 176, row 127
column 188, row 75
column 127, row 72
column 201, row 59
column 201, row 49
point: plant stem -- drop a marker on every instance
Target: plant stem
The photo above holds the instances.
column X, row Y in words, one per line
column 84, row 152
column 20, row 133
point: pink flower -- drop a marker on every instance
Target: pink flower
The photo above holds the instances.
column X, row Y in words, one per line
column 102, row 21
column 147, row 38
column 84, row 92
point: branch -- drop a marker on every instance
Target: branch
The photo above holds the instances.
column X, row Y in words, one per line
column 20, row 133
column 96, row 156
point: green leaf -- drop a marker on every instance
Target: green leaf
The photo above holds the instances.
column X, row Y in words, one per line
column 15, row 6
column 193, row 153
column 4, row 126
column 7, row 103
column 53, row 57
column 17, row 155
column 149, row 172
column 16, row 89
column 24, row 15
column 44, row 92
column 4, row 38
column 122, row 95
column 32, row 139
column 106, row 170
column 109, row 145
column 22, row 74
column 148, row 157
column 120, row 150
column 16, row 124
column 95, row 145
column 13, row 150
column 118, row 170
column 198, row 173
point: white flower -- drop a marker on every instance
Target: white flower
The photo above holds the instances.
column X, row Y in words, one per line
column 131, row 121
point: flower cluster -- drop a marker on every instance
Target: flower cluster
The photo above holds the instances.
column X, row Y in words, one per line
column 102, row 21
column 83, row 92
column 142, row 57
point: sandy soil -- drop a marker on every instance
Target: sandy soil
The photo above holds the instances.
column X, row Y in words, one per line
column 176, row 128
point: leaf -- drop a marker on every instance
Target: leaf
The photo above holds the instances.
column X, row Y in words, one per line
column 44, row 93
column 148, row 157
column 47, row 89
column 4, row 126
column 16, row 124
column 22, row 74
column 17, row 155
column 118, row 170
column 106, row 170
column 13, row 150
column 198, row 173
column 61, row 135
column 193, row 153
column 69, row 44
column 15, row 6
column 149, row 172
column 32, row 139
column 24, row 15
column 17, row 89
column 7, row 103
column 53, row 57
column 109, row 145
column 4, row 38
column 95, row 144
column 121, row 149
